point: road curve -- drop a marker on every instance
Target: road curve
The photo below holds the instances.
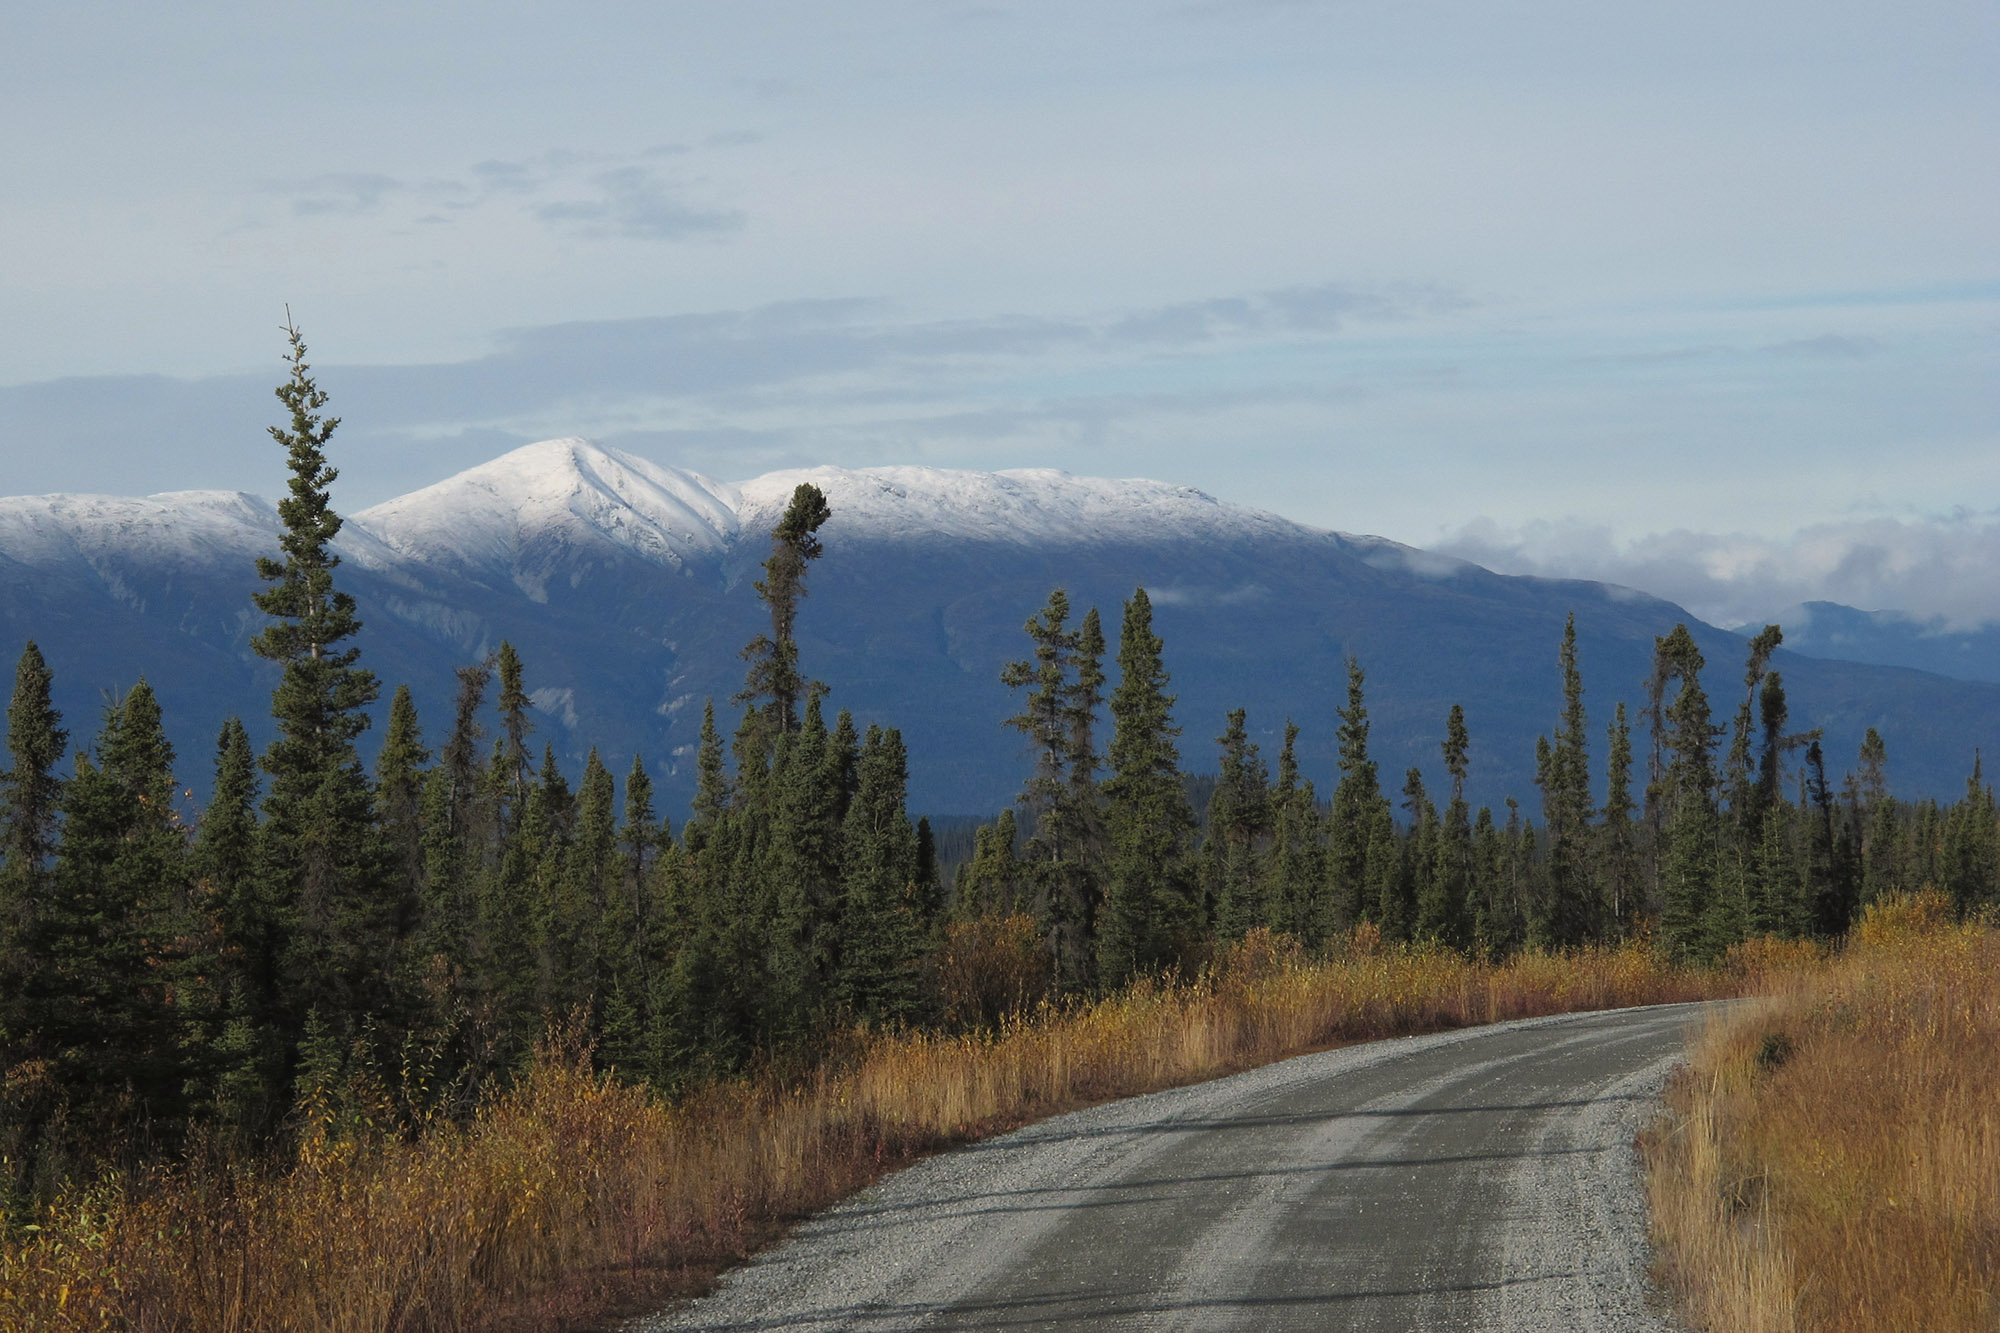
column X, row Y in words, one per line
column 1481, row 1179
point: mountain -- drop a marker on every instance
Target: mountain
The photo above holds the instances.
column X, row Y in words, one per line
column 1891, row 638
column 628, row 589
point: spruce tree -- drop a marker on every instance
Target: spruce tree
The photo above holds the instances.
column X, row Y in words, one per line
column 1971, row 857
column 1618, row 853
column 1441, row 901
column 1239, row 829
column 1825, row 868
column 1564, row 916
column 513, row 771
column 317, row 835
column 1151, row 914
column 240, row 975
column 988, row 884
column 1744, row 780
column 1062, row 686
column 1877, row 823
column 445, row 910
column 1356, row 800
column 1386, row 890
column 774, row 686
column 1688, row 799
column 627, row 948
column 118, row 921
column 30, row 799
column 1773, row 714
column 1414, row 855
column 800, row 877
column 399, row 780
column 1296, row 867
column 882, row 922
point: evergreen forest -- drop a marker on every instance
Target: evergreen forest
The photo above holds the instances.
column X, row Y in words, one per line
column 324, row 944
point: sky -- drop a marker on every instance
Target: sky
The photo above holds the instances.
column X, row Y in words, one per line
column 1703, row 298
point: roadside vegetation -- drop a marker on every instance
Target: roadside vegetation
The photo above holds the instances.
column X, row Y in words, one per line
column 1831, row 1162
column 454, row 1042
column 575, row 1195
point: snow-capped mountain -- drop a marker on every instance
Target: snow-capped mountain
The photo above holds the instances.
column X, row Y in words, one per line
column 554, row 507
column 1030, row 507
column 626, row 585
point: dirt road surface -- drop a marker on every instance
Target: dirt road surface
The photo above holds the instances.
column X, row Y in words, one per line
column 1481, row 1179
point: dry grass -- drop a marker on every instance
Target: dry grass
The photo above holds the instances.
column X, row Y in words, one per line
column 1833, row 1156
column 574, row 1196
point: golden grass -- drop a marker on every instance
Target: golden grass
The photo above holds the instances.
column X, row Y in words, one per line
column 1832, row 1158
column 574, row 1196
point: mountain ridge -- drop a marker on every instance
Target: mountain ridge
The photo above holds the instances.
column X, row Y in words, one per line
column 626, row 586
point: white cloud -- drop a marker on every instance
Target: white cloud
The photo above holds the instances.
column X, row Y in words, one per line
column 1944, row 567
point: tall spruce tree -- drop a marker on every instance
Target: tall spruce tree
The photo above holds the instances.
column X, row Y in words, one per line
column 1151, row 915
column 1618, row 852
column 1296, row 868
column 317, row 835
column 988, row 885
column 1417, row 855
column 1441, row 905
column 1875, row 821
column 1239, row 831
column 1357, row 799
column 399, row 782
column 1826, row 869
column 774, row 686
column 513, row 770
column 1971, row 856
column 800, row 875
column 883, row 910
column 30, row 801
column 1688, row 800
column 240, row 974
column 117, row 922
column 1565, row 915
column 1063, row 684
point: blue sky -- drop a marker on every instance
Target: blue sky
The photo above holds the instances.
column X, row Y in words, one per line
column 1702, row 297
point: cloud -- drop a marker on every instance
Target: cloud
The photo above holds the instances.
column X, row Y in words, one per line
column 732, row 391
column 634, row 203
column 596, row 195
column 340, row 194
column 1944, row 567
column 1321, row 308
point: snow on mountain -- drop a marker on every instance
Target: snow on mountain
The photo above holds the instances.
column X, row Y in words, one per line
column 1032, row 507
column 178, row 528
column 625, row 585
column 550, row 503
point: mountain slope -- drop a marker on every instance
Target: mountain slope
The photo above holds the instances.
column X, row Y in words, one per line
column 627, row 587
column 1891, row 638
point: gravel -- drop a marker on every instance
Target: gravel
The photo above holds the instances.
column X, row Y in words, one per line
column 1483, row 1178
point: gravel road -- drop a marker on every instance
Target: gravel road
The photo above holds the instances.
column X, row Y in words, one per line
column 1482, row 1179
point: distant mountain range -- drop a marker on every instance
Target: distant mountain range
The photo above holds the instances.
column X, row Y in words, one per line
column 1890, row 638
column 627, row 588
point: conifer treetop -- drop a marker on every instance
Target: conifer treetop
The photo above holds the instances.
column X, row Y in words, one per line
column 311, row 616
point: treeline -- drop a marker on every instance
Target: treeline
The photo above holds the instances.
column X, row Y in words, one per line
column 327, row 949
column 1715, row 834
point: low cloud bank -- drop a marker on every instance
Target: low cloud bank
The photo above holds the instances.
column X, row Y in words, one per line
column 1941, row 569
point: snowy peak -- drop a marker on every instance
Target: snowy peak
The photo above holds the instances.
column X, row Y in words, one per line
column 1037, row 507
column 172, row 530
column 559, row 499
